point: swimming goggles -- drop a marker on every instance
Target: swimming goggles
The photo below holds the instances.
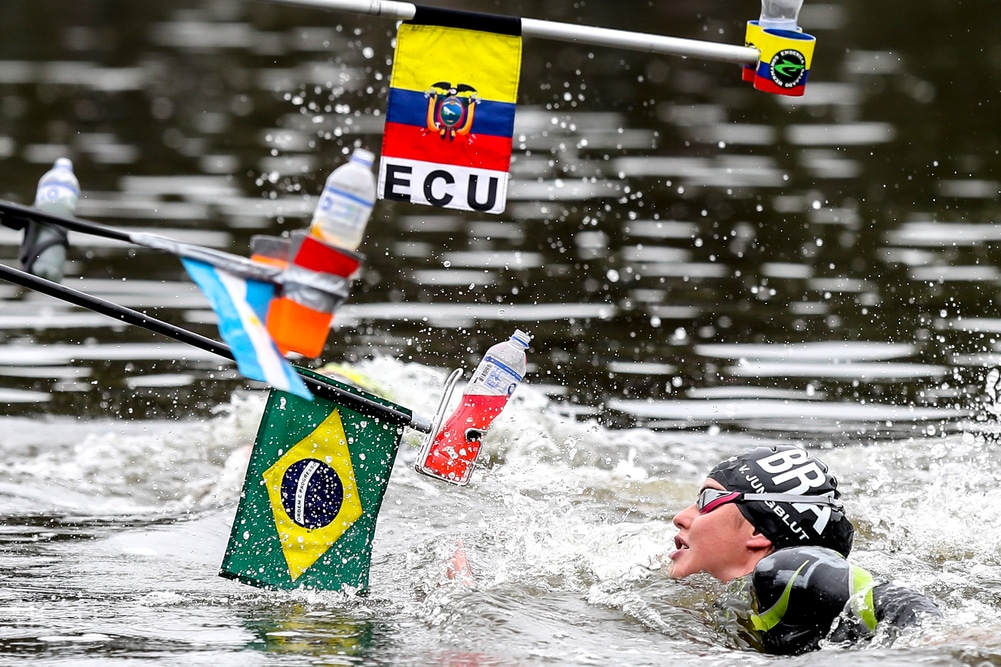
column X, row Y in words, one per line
column 710, row 499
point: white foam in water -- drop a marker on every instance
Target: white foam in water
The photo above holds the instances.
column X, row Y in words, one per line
column 925, row 494
column 566, row 523
column 137, row 466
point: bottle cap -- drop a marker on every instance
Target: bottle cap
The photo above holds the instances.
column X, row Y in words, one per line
column 522, row 338
column 364, row 156
column 64, row 163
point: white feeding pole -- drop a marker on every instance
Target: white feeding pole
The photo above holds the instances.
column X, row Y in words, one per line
column 564, row 32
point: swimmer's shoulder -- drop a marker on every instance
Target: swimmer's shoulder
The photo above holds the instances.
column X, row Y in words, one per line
column 804, row 595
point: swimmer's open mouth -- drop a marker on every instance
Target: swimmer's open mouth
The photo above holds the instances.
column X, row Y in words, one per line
column 679, row 543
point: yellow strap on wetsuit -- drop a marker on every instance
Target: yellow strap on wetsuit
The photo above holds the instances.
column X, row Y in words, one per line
column 860, row 585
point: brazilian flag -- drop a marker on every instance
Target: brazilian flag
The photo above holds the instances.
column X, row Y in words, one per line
column 316, row 479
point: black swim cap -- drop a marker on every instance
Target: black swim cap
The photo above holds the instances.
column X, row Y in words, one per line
column 789, row 470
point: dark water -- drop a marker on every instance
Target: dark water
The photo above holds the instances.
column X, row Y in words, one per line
column 703, row 266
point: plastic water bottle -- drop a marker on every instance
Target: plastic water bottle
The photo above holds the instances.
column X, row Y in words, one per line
column 346, row 202
column 43, row 250
column 451, row 453
column 58, row 189
column 780, row 14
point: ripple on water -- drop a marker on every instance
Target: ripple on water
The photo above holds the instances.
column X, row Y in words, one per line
column 750, row 410
column 943, row 234
column 8, row 395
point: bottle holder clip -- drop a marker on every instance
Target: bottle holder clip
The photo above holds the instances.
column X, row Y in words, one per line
column 784, row 62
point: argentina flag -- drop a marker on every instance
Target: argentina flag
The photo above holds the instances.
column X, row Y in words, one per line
column 241, row 306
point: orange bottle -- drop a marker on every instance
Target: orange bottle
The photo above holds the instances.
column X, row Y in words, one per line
column 315, row 283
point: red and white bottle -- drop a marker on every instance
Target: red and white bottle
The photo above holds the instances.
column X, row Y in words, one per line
column 450, row 453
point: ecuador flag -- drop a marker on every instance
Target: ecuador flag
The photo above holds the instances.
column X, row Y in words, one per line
column 314, row 486
column 450, row 114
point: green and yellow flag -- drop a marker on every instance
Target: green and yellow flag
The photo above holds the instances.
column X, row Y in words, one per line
column 314, row 486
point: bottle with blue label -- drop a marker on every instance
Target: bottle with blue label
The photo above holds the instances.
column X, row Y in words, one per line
column 320, row 265
column 451, row 453
column 346, row 203
column 43, row 250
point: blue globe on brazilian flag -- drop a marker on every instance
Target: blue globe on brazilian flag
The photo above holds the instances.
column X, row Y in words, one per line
column 315, row 482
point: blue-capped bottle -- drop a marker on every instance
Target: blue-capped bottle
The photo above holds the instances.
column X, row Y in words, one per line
column 43, row 250
column 450, row 453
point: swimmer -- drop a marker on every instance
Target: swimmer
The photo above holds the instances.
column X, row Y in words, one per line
column 770, row 521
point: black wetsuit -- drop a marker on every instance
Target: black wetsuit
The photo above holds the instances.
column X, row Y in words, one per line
column 800, row 596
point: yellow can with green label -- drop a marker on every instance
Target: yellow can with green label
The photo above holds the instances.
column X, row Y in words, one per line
column 784, row 62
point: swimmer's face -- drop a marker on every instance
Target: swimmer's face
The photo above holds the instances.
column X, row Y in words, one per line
column 720, row 542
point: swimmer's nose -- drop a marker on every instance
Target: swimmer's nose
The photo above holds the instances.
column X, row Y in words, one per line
column 683, row 519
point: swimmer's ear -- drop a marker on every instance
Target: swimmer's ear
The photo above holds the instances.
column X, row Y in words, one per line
column 759, row 541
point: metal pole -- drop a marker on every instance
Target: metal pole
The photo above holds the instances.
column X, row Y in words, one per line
column 401, row 11
column 564, row 32
column 16, row 216
column 638, row 41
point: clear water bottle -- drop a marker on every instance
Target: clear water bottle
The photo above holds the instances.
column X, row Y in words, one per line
column 43, row 250
column 346, row 202
column 451, row 452
column 780, row 14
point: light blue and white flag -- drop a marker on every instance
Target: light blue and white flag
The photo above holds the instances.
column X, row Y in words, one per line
column 241, row 325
